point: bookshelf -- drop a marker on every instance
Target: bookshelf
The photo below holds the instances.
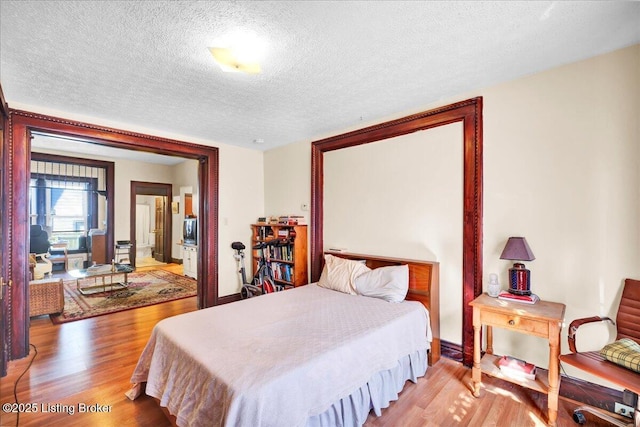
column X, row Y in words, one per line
column 289, row 258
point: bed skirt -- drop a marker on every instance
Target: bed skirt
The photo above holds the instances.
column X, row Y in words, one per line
column 381, row 389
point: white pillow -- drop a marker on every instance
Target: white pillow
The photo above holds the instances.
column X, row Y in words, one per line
column 388, row 283
column 339, row 274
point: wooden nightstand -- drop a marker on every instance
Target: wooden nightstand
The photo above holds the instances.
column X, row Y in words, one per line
column 543, row 319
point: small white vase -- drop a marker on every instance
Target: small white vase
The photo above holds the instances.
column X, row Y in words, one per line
column 493, row 288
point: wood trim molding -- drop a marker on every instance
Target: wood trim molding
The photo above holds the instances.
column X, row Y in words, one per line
column 4, row 232
column 469, row 112
column 21, row 124
column 451, row 350
column 587, row 392
column 229, row 298
column 4, row 107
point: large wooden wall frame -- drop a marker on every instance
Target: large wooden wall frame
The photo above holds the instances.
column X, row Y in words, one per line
column 4, row 241
column 20, row 126
column 469, row 112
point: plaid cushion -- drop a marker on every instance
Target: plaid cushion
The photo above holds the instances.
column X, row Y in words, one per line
column 624, row 352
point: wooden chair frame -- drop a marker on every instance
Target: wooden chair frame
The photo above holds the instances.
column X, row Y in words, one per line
column 627, row 326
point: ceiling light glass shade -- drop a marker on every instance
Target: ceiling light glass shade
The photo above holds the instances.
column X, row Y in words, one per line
column 229, row 61
column 239, row 51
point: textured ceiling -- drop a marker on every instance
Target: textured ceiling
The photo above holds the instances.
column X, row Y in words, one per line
column 329, row 66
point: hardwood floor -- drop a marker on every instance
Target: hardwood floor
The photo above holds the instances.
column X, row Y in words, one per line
column 90, row 362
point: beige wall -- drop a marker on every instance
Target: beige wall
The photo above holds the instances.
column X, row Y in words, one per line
column 402, row 197
column 126, row 171
column 287, row 180
column 185, row 176
column 561, row 157
column 241, row 203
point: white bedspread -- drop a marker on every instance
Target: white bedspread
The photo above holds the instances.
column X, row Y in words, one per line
column 276, row 359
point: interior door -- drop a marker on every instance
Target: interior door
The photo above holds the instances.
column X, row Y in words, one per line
column 160, row 218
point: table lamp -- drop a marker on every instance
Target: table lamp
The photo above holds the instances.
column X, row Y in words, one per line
column 517, row 249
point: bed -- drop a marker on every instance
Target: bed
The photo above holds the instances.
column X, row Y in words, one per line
column 310, row 356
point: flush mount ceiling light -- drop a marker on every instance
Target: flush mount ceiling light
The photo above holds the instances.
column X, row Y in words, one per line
column 239, row 52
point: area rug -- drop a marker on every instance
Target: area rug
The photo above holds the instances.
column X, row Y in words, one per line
column 145, row 288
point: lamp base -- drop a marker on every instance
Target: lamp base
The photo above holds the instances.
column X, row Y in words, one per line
column 519, row 280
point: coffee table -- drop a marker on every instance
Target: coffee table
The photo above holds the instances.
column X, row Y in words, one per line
column 101, row 272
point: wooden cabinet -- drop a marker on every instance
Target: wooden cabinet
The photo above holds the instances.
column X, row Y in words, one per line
column 98, row 248
column 190, row 261
column 288, row 258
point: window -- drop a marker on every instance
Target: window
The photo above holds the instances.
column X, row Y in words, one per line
column 62, row 211
column 64, row 200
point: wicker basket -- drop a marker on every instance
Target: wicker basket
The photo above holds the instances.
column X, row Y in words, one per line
column 46, row 296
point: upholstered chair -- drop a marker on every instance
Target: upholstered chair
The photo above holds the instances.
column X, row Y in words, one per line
column 619, row 362
column 39, row 247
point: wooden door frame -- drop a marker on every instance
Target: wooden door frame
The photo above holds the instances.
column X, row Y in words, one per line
column 4, row 240
column 151, row 189
column 21, row 124
column 469, row 112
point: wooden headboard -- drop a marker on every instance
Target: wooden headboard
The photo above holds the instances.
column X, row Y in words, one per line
column 424, row 286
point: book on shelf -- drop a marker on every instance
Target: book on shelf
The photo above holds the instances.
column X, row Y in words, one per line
column 526, row 299
column 282, row 271
column 517, row 368
column 283, row 233
column 292, row 220
column 283, row 219
column 281, row 253
column 297, row 220
column 264, row 233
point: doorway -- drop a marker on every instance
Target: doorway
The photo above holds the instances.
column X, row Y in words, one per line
column 20, row 127
column 150, row 222
column 149, row 231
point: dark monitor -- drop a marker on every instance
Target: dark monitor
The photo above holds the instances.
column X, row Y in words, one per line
column 190, row 231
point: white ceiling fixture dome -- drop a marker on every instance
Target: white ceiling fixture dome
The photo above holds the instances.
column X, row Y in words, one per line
column 240, row 51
